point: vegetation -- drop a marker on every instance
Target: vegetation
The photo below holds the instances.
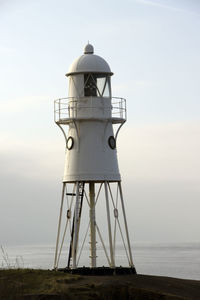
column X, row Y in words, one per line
column 15, row 283
column 31, row 284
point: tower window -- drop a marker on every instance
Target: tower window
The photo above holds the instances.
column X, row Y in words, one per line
column 112, row 142
column 70, row 143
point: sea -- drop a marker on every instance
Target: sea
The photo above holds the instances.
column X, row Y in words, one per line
column 180, row 260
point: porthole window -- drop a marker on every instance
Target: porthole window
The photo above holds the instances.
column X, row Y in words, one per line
column 112, row 142
column 70, row 143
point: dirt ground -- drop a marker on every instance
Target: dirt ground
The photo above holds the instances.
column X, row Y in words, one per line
column 135, row 287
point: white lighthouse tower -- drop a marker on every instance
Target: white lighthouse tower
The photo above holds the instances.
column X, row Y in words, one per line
column 90, row 119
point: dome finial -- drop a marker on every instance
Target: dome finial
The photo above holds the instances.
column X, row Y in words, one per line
column 89, row 49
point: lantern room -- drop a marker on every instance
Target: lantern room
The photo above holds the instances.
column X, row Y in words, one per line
column 89, row 75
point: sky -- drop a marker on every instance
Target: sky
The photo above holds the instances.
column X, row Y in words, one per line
column 153, row 47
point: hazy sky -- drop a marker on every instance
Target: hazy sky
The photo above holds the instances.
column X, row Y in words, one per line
column 153, row 48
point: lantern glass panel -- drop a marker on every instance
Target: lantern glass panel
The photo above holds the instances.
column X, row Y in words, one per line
column 96, row 85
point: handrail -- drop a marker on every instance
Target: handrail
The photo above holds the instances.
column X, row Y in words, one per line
column 66, row 109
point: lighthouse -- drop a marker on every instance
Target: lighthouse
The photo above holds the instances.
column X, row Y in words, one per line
column 92, row 219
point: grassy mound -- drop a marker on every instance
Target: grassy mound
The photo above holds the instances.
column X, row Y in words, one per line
column 31, row 284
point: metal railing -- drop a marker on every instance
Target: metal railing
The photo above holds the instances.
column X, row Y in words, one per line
column 69, row 108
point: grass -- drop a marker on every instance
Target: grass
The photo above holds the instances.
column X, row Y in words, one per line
column 17, row 282
column 32, row 284
column 6, row 262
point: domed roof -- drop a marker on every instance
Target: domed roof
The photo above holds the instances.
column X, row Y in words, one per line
column 89, row 63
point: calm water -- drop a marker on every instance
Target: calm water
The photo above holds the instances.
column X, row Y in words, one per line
column 180, row 260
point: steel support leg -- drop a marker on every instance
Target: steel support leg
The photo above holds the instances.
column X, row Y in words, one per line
column 92, row 225
column 126, row 226
column 75, row 237
column 59, row 226
column 109, row 226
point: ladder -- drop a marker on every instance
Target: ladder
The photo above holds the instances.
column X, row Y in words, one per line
column 81, row 185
